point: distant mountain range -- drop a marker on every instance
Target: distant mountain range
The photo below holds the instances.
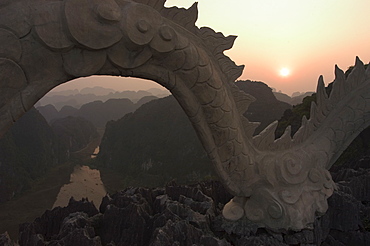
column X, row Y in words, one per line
column 76, row 98
column 97, row 112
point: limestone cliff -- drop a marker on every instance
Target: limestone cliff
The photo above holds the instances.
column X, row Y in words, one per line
column 26, row 152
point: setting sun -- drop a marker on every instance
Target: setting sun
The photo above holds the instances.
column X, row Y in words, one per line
column 284, row 72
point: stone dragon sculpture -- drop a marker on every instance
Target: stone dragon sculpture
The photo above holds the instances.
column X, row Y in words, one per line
column 277, row 183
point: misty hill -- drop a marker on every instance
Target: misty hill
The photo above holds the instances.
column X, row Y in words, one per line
column 49, row 112
column 63, row 93
column 64, row 112
column 266, row 108
column 74, row 133
column 157, row 143
column 27, row 150
column 296, row 98
column 86, row 95
column 145, row 100
column 97, row 90
column 98, row 112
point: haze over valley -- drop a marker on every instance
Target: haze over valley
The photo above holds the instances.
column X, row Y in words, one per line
column 144, row 139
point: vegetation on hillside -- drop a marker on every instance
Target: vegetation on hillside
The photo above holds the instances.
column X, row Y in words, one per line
column 27, row 150
column 31, row 148
column 74, row 133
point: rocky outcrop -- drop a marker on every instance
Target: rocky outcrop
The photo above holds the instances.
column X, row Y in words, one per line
column 71, row 225
column 27, row 150
column 191, row 215
column 5, row 240
column 75, row 133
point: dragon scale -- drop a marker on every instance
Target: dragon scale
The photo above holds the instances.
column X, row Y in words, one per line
column 282, row 183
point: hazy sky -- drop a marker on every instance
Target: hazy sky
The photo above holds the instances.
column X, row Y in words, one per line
column 306, row 37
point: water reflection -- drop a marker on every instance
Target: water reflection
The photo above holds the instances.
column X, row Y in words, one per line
column 96, row 152
column 84, row 182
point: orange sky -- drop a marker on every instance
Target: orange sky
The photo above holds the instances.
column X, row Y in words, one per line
column 307, row 37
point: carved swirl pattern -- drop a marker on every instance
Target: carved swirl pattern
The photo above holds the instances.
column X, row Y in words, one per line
column 292, row 190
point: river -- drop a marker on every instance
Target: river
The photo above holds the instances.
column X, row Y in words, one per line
column 84, row 183
column 54, row 189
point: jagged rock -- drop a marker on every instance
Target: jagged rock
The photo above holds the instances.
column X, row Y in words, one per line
column 176, row 233
column 344, row 212
column 259, row 240
column 358, row 184
column 241, row 228
column 186, row 215
column 302, row 237
column 76, row 229
column 5, row 240
column 48, row 226
column 357, row 238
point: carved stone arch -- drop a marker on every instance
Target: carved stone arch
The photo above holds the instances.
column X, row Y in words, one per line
column 279, row 183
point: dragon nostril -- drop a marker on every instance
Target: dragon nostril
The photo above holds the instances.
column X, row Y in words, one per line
column 143, row 26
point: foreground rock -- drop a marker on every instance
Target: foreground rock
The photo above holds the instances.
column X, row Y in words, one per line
column 191, row 215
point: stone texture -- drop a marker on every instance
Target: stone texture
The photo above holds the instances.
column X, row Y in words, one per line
column 5, row 239
column 50, row 27
column 187, row 215
column 80, row 62
column 277, row 184
column 49, row 225
column 120, row 55
column 10, row 45
column 87, row 28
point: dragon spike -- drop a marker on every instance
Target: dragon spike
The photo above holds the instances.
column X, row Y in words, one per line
column 357, row 75
column 358, row 62
column 263, row 140
column 338, row 90
column 367, row 72
column 321, row 96
column 299, row 136
column 285, row 140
